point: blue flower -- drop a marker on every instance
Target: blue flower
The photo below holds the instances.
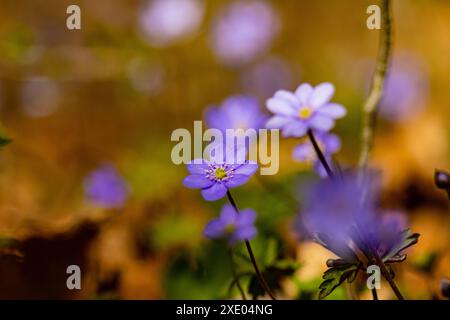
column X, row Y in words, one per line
column 236, row 112
column 232, row 226
column 306, row 108
column 243, row 31
column 328, row 143
column 228, row 169
column 105, row 187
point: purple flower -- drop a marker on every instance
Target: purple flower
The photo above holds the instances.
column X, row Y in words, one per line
column 215, row 177
column 331, row 210
column 328, row 143
column 307, row 108
column 243, row 31
column 106, row 188
column 407, row 87
column 232, row 225
column 236, row 112
column 165, row 22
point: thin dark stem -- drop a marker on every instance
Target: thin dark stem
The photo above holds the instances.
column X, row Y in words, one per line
column 374, row 294
column 320, row 155
column 388, row 277
column 377, row 86
column 259, row 275
column 235, row 277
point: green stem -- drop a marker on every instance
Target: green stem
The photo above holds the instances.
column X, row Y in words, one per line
column 388, row 277
column 259, row 275
column 377, row 86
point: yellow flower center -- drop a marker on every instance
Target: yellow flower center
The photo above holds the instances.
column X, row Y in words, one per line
column 220, row 173
column 229, row 229
column 304, row 112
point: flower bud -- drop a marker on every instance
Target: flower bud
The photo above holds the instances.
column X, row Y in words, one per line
column 442, row 179
column 445, row 288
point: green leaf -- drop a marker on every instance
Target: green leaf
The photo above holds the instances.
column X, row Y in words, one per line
column 334, row 277
column 408, row 239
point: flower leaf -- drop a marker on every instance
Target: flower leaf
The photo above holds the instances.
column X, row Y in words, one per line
column 335, row 276
column 408, row 239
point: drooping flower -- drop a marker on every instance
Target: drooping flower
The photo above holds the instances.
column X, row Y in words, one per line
column 232, row 225
column 306, row 108
column 236, row 112
column 226, row 169
column 331, row 208
column 165, row 22
column 328, row 143
column 243, row 31
column 105, row 187
column 341, row 214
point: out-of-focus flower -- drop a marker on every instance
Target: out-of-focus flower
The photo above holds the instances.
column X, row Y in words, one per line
column 328, row 143
column 406, row 89
column 105, row 187
column 231, row 225
column 166, row 22
column 267, row 76
column 236, row 112
column 243, row 31
column 225, row 170
column 307, row 108
column 342, row 213
column 331, row 209
column 40, row 97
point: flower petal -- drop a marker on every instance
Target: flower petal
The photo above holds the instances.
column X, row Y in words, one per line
column 289, row 97
column 277, row 122
column 248, row 168
column 321, row 122
column 303, row 152
column 332, row 144
column 228, row 215
column 280, row 106
column 197, row 181
column 215, row 192
column 333, row 110
column 246, row 233
column 321, row 94
column 215, row 229
column 245, row 218
column 237, row 180
column 295, row 129
column 303, row 92
column 197, row 166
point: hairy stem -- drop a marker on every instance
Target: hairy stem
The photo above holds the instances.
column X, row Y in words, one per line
column 259, row 275
column 377, row 85
column 320, row 155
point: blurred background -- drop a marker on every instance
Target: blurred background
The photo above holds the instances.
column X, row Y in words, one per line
column 94, row 107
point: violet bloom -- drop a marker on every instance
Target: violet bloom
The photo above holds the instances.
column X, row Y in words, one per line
column 331, row 209
column 236, row 112
column 243, row 31
column 306, row 108
column 165, row 22
column 232, row 226
column 328, row 143
column 224, row 170
column 105, row 187
column 407, row 87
